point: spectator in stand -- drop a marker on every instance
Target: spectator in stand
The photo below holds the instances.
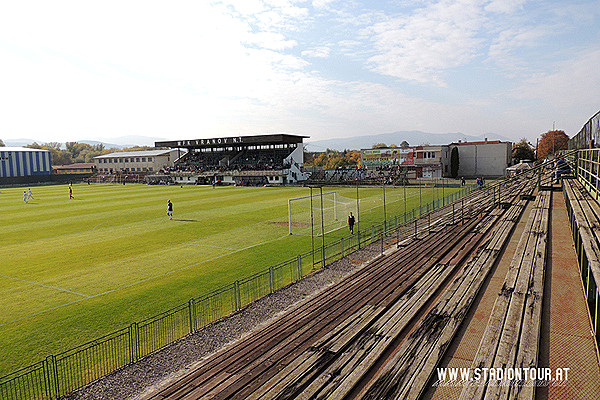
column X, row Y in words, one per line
column 561, row 168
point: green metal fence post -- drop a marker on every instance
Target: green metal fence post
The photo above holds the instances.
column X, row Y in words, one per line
column 134, row 342
column 342, row 247
column 299, row 267
column 236, row 295
column 51, row 377
column 192, row 309
column 271, row 280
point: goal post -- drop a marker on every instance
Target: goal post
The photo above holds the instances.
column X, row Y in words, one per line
column 306, row 211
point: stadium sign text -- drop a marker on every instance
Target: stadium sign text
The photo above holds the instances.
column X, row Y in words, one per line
column 201, row 142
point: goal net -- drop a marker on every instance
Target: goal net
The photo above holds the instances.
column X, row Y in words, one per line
column 306, row 213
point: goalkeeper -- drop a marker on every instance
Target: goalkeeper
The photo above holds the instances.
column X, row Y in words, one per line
column 351, row 221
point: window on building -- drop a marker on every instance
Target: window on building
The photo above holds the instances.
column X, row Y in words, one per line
column 137, row 159
column 143, row 159
column 149, row 159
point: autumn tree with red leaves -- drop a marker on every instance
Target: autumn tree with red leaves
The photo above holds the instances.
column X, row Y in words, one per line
column 551, row 142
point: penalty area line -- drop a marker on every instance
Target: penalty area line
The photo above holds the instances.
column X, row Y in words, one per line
column 44, row 285
column 138, row 282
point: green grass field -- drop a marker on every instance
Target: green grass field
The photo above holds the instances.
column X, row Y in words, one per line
column 74, row 270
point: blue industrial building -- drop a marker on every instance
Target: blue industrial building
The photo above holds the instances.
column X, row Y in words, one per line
column 21, row 161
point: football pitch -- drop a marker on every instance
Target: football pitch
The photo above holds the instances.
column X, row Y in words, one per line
column 73, row 270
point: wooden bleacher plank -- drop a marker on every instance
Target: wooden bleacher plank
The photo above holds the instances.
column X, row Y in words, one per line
column 512, row 332
column 343, row 363
column 380, row 336
column 414, row 387
column 415, row 360
column 260, row 361
column 242, row 374
column 343, row 389
column 529, row 288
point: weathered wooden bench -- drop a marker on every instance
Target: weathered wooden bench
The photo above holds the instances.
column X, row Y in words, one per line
column 406, row 373
column 511, row 338
column 356, row 348
column 321, row 346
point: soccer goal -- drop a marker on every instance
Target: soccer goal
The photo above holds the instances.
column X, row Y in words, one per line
column 305, row 213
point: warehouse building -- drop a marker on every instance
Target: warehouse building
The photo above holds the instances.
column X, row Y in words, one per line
column 23, row 162
column 137, row 161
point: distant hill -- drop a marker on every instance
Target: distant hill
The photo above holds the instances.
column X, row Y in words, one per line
column 109, row 143
column 414, row 138
column 18, row 142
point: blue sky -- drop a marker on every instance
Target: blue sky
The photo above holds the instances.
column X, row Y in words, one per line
column 73, row 70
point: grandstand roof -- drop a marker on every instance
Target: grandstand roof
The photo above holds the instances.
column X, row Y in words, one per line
column 146, row 153
column 276, row 138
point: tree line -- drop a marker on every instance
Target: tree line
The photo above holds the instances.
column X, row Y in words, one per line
column 74, row 152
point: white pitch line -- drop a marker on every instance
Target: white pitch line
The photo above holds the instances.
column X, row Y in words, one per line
column 208, row 245
column 46, row 286
column 94, row 228
column 138, row 282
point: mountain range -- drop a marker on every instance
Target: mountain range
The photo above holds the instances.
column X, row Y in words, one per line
column 414, row 138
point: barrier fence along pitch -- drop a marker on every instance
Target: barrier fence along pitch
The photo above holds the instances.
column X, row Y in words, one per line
column 66, row 372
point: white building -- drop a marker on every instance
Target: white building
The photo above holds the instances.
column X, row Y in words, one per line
column 23, row 161
column 484, row 158
column 137, row 161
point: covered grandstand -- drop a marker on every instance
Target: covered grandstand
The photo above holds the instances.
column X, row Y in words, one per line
column 241, row 160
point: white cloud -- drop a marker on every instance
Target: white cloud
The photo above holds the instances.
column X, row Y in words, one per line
column 318, row 52
column 507, row 48
column 505, row 6
column 318, row 4
column 421, row 46
column 572, row 87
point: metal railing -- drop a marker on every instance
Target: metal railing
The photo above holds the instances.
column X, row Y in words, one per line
column 588, row 170
column 588, row 136
column 61, row 374
column 585, row 253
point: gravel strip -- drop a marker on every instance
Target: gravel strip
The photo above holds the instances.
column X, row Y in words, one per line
column 176, row 360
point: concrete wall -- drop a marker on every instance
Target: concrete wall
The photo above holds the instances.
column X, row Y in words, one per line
column 487, row 159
